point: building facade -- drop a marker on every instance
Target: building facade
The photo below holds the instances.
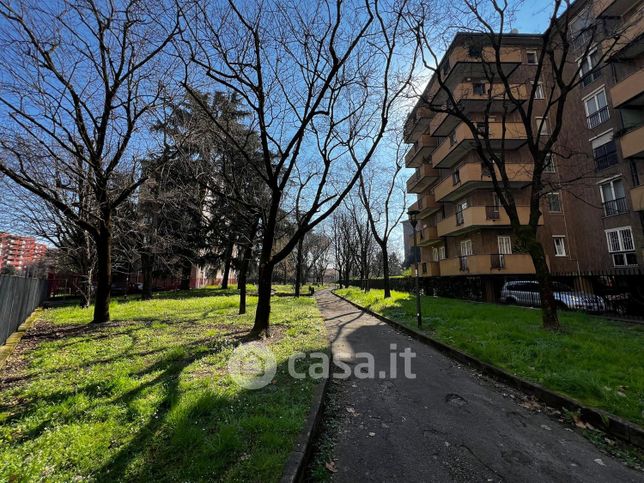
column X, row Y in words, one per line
column 592, row 221
column 20, row 252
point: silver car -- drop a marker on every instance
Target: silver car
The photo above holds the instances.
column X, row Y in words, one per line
column 526, row 292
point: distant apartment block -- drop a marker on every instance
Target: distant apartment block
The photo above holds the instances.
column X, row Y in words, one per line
column 592, row 226
column 20, row 252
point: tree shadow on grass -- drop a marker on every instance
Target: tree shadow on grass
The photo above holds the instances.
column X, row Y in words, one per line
column 26, row 406
column 202, row 435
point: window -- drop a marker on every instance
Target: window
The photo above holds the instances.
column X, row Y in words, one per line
column 456, row 177
column 542, row 126
column 441, row 253
column 580, row 31
column 621, row 246
column 481, row 127
column 452, row 138
column 424, row 267
column 588, row 68
column 434, row 254
column 462, row 205
column 613, row 197
column 478, row 88
column 634, row 174
column 554, row 202
column 466, row 250
column 560, row 245
column 549, row 164
column 505, row 245
column 532, row 57
column 538, row 92
column 596, row 107
column 485, row 171
column 604, row 150
column 492, row 211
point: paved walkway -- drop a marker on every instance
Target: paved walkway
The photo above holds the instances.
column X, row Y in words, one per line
column 448, row 424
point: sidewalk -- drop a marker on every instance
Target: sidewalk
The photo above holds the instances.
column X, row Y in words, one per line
column 447, row 424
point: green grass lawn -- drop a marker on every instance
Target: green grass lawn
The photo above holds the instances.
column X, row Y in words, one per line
column 596, row 361
column 147, row 397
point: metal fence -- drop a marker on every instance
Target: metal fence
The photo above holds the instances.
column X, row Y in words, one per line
column 610, row 293
column 19, row 296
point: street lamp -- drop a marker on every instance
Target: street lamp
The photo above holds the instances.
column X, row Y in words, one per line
column 413, row 220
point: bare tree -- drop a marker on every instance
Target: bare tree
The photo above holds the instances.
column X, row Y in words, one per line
column 80, row 78
column 320, row 81
column 534, row 98
column 380, row 193
column 344, row 245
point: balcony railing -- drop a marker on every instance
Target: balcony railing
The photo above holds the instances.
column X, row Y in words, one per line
column 497, row 261
column 462, row 264
column 598, row 117
column 615, row 207
column 605, row 155
column 492, row 213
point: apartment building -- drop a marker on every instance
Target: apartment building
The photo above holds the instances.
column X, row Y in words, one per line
column 20, row 251
column 593, row 223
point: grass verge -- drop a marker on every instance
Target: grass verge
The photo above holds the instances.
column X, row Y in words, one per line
column 595, row 361
column 147, row 396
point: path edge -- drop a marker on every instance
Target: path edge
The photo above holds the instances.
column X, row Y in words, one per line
column 598, row 418
column 300, row 456
column 13, row 340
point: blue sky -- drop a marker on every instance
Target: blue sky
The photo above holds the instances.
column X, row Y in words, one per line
column 534, row 16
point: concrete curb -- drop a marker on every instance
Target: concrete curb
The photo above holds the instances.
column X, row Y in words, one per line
column 10, row 344
column 609, row 423
column 301, row 454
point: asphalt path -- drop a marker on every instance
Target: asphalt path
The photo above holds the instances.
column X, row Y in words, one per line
column 445, row 424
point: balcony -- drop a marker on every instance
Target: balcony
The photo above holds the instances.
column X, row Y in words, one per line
column 611, row 8
column 479, row 216
column 516, row 263
column 421, row 179
column 431, row 269
column 461, row 141
column 466, row 61
column 426, row 206
column 417, row 123
column 598, row 117
column 629, row 93
column 472, row 99
column 632, row 143
column 615, row 207
column 637, row 198
column 421, row 151
column 472, row 176
column 629, row 45
column 427, row 236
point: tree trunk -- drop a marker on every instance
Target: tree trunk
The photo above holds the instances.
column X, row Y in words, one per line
column 228, row 256
column 147, row 266
column 262, row 315
column 104, row 273
column 241, row 280
column 385, row 272
column 298, row 267
column 548, row 302
column 185, row 276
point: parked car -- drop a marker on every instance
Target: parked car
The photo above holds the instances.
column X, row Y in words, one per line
column 526, row 292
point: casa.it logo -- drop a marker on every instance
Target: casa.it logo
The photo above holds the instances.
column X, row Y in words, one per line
column 252, row 365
